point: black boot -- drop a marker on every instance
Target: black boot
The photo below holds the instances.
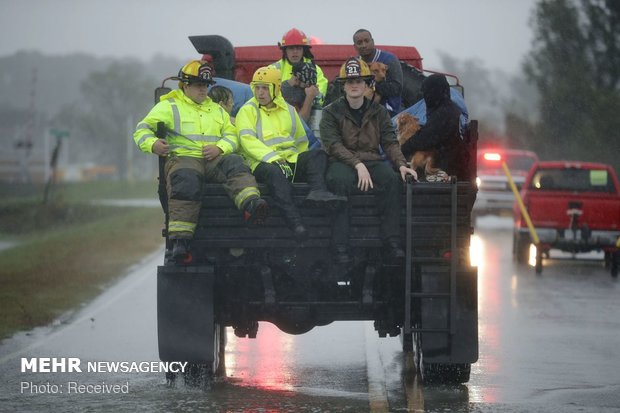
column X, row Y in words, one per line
column 256, row 211
column 180, row 249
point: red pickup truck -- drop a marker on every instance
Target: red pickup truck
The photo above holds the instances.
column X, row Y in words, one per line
column 574, row 206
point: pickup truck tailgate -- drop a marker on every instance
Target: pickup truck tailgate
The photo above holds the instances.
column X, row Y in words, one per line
column 553, row 209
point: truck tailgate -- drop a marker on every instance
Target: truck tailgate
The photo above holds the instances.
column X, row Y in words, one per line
column 551, row 209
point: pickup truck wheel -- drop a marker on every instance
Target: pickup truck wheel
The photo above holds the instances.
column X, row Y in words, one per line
column 615, row 264
column 538, row 265
column 521, row 248
column 608, row 259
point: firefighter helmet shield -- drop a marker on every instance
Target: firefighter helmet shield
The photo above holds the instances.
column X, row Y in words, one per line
column 196, row 71
column 267, row 75
column 354, row 68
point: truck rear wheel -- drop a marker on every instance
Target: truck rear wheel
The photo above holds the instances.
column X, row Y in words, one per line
column 201, row 375
column 615, row 263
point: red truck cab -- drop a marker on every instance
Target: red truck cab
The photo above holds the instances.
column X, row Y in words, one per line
column 574, row 206
column 329, row 57
column 240, row 62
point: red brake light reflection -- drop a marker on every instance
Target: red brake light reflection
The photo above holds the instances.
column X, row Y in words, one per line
column 492, row 156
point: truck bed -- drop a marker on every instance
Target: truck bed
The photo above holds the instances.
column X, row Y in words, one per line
column 221, row 226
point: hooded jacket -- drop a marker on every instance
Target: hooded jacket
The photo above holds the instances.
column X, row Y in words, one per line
column 441, row 131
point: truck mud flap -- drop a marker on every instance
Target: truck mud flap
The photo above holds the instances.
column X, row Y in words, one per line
column 185, row 314
column 439, row 342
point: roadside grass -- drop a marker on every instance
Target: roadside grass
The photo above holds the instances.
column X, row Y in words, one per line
column 68, row 251
column 79, row 191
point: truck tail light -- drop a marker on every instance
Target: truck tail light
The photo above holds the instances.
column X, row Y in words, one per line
column 492, row 156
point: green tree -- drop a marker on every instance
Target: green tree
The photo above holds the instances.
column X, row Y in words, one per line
column 575, row 65
column 496, row 99
column 112, row 102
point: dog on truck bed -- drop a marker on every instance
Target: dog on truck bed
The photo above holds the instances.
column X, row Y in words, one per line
column 379, row 70
column 406, row 126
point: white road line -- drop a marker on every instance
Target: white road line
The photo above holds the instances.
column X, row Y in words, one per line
column 414, row 390
column 137, row 274
column 377, row 393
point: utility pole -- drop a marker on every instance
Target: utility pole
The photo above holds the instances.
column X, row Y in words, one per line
column 59, row 134
column 24, row 145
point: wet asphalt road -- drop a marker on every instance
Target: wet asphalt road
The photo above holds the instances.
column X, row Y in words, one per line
column 548, row 343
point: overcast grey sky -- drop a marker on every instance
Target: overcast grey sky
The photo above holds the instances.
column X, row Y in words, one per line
column 495, row 31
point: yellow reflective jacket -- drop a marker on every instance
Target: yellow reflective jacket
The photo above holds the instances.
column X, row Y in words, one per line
column 287, row 72
column 270, row 135
column 190, row 125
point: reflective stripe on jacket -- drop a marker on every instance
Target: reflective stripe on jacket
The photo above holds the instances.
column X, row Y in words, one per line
column 287, row 72
column 190, row 125
column 270, row 135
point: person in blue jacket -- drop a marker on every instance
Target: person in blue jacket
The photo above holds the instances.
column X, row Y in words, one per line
column 391, row 88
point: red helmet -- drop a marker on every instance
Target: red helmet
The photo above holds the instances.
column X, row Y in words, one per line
column 294, row 37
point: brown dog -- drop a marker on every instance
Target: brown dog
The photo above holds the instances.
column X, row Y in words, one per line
column 406, row 126
column 379, row 70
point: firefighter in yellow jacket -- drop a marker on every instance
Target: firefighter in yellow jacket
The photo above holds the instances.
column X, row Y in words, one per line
column 200, row 145
column 295, row 48
column 275, row 145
